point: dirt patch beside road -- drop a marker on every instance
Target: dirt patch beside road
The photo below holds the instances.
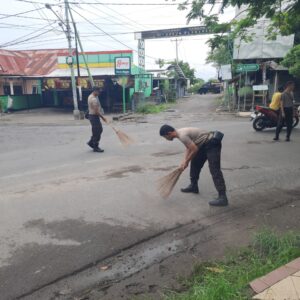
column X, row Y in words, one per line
column 279, row 209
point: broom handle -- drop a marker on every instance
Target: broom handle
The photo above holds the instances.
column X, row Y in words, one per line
column 109, row 124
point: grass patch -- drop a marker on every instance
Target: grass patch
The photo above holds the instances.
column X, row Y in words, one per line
column 149, row 108
column 229, row 279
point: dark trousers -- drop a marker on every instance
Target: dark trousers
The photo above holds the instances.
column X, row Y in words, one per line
column 212, row 153
column 288, row 120
column 96, row 130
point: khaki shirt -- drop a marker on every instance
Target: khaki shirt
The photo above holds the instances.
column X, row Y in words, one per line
column 195, row 135
column 287, row 99
column 94, row 105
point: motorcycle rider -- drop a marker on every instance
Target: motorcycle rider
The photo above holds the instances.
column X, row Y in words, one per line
column 275, row 103
column 286, row 111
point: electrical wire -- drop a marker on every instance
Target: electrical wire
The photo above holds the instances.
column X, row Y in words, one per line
column 12, row 43
column 24, row 36
column 128, row 25
column 123, row 16
column 24, row 17
column 109, row 3
column 109, row 35
column 19, row 14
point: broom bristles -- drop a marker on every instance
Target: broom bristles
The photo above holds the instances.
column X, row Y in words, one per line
column 123, row 137
column 167, row 183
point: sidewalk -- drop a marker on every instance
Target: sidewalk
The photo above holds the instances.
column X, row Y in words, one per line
column 281, row 284
column 49, row 116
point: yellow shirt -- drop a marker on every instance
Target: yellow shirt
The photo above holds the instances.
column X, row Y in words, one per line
column 275, row 104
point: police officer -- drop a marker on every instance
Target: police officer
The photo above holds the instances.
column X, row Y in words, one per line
column 94, row 117
column 200, row 146
column 286, row 111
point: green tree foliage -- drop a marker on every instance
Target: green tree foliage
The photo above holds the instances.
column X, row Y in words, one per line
column 292, row 61
column 187, row 70
column 185, row 67
column 284, row 15
column 220, row 56
column 196, row 85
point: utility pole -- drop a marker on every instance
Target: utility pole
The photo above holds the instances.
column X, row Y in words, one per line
column 176, row 41
column 70, row 62
column 82, row 50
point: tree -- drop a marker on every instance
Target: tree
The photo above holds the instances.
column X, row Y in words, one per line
column 187, row 70
column 292, row 61
column 185, row 67
column 220, row 56
column 284, row 17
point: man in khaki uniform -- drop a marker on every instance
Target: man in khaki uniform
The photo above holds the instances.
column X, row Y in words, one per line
column 200, row 147
column 94, row 117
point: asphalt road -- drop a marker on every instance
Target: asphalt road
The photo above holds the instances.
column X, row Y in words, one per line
column 63, row 207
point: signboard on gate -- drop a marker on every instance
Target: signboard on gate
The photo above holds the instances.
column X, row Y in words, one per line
column 173, row 32
column 122, row 66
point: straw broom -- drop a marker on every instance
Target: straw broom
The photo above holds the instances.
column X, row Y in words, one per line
column 167, row 183
column 123, row 137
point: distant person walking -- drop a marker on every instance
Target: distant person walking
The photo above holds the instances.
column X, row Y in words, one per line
column 94, row 117
column 286, row 111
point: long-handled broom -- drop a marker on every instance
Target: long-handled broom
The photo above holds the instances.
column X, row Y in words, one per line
column 167, row 183
column 123, row 137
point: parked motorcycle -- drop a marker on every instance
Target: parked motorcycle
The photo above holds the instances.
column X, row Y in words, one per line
column 265, row 117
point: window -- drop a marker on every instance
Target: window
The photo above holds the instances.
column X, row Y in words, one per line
column 6, row 90
column 18, row 90
column 34, row 89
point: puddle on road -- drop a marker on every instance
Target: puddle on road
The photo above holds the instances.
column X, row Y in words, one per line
column 123, row 172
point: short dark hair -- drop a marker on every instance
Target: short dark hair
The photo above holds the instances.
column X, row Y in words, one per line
column 165, row 129
column 281, row 89
column 96, row 89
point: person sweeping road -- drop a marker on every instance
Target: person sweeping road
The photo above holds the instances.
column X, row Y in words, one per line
column 94, row 115
column 200, row 146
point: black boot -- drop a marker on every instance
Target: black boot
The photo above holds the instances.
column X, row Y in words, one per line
column 220, row 201
column 99, row 150
column 91, row 144
column 192, row 188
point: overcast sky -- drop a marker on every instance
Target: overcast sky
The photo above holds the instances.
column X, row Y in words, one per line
column 40, row 29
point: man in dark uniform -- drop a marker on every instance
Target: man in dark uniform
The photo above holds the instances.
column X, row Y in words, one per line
column 286, row 111
column 94, row 116
column 200, row 146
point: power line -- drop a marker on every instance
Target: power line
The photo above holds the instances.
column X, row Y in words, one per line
column 128, row 25
column 14, row 42
column 24, row 17
column 22, row 37
column 22, row 25
column 109, row 3
column 19, row 14
column 133, row 21
column 113, row 38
